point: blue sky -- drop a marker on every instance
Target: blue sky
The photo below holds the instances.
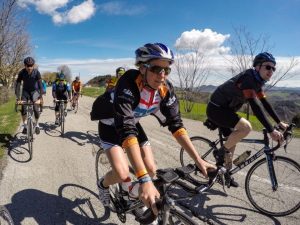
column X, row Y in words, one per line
column 96, row 36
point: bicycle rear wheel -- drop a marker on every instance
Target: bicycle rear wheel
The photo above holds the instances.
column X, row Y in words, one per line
column 204, row 147
column 5, row 218
column 281, row 202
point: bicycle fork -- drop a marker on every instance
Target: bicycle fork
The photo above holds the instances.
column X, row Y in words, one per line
column 270, row 157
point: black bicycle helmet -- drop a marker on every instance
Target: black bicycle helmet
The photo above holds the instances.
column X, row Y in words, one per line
column 29, row 61
column 120, row 71
column 263, row 57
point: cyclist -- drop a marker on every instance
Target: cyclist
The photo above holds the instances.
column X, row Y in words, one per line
column 111, row 82
column 229, row 97
column 61, row 90
column 76, row 90
column 32, row 91
column 140, row 93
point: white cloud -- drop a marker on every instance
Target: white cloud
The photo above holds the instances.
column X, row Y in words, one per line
column 119, row 8
column 205, row 40
column 57, row 9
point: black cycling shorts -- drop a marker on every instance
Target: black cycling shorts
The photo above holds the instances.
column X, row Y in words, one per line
column 109, row 137
column 32, row 96
column 225, row 118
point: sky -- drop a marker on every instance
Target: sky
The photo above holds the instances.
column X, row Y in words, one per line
column 94, row 37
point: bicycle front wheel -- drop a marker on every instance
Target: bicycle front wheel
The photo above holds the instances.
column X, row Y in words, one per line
column 62, row 119
column 5, row 218
column 204, row 147
column 285, row 199
column 30, row 136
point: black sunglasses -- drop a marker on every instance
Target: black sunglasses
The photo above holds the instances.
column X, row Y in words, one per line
column 270, row 67
column 159, row 69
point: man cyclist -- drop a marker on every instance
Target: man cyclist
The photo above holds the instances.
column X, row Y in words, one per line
column 76, row 90
column 111, row 82
column 61, row 90
column 32, row 91
column 229, row 97
column 140, row 93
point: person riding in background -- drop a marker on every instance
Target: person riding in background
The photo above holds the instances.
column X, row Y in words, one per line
column 61, row 90
column 229, row 97
column 76, row 90
column 140, row 93
column 111, row 82
column 32, row 91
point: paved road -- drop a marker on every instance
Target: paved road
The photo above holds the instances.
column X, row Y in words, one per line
column 58, row 185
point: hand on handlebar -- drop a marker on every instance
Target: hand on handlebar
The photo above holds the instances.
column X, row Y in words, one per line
column 205, row 167
column 277, row 136
column 283, row 126
column 149, row 194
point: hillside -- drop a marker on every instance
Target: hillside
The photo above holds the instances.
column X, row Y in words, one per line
column 98, row 81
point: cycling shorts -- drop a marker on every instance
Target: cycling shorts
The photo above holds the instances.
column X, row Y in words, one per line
column 225, row 118
column 109, row 137
column 31, row 96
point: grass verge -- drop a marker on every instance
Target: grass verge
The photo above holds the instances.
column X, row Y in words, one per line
column 9, row 121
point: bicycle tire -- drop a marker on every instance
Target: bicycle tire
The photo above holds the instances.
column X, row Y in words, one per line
column 62, row 118
column 5, row 217
column 30, row 136
column 260, row 193
column 204, row 147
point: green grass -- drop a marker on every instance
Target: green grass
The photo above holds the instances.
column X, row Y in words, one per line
column 9, row 121
column 93, row 91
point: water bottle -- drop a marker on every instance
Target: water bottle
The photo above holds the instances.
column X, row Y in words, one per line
column 132, row 188
column 241, row 158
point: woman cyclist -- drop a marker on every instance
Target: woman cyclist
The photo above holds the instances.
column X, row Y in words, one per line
column 140, row 93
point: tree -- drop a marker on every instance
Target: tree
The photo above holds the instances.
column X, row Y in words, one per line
column 14, row 42
column 192, row 70
column 66, row 71
column 49, row 76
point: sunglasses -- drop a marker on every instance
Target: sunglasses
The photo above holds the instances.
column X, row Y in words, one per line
column 159, row 69
column 28, row 65
column 269, row 68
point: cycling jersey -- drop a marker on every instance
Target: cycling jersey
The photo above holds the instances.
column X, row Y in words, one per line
column 131, row 100
column 60, row 90
column 246, row 86
column 76, row 86
column 31, row 82
column 111, row 83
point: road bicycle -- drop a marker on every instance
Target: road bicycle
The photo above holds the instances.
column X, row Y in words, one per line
column 30, row 124
column 121, row 203
column 62, row 113
column 272, row 184
column 75, row 102
column 5, row 217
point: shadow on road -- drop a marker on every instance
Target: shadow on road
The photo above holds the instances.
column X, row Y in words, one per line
column 69, row 207
column 18, row 149
column 198, row 207
column 81, row 138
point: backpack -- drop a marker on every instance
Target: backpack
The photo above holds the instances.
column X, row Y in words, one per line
column 102, row 107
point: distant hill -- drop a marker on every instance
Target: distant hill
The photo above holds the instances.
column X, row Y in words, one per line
column 98, row 81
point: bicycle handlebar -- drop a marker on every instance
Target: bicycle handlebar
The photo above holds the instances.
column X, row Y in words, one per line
column 287, row 135
column 169, row 176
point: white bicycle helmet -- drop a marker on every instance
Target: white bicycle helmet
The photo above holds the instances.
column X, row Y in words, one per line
column 153, row 51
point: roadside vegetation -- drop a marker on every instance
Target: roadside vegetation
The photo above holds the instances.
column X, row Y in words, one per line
column 9, row 121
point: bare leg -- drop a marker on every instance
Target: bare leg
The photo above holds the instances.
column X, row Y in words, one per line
column 119, row 163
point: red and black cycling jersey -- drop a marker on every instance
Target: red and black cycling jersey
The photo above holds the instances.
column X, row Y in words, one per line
column 131, row 100
column 246, row 86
